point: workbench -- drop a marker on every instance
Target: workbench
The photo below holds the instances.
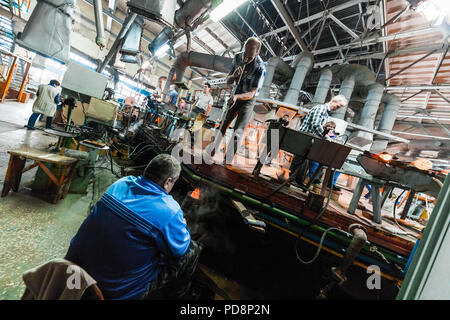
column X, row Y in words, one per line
column 16, row 168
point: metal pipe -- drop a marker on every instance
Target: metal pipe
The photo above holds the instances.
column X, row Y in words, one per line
column 358, row 241
column 191, row 10
column 196, row 59
column 351, row 75
column 303, row 64
column 368, row 114
column 323, row 86
column 274, row 64
column 116, row 45
column 346, row 90
column 387, row 121
column 98, row 10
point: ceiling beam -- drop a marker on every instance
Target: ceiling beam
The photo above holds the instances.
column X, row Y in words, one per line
column 343, row 26
column 373, row 40
column 264, row 42
column 289, row 23
column 318, row 15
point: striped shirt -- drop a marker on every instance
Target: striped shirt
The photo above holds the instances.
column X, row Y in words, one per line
column 253, row 76
column 315, row 119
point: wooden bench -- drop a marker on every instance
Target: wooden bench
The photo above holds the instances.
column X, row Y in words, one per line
column 17, row 166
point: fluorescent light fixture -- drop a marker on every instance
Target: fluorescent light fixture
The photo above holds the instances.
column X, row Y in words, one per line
column 161, row 52
column 434, row 10
column 225, row 8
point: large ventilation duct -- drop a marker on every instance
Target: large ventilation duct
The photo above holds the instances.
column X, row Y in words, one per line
column 275, row 64
column 323, row 86
column 186, row 16
column 368, row 114
column 387, row 121
column 351, row 75
column 48, row 30
column 160, row 11
column 196, row 59
column 116, row 45
column 161, row 39
column 303, row 63
column 98, row 10
column 132, row 43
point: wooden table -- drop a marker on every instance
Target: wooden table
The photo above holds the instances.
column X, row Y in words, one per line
column 17, row 166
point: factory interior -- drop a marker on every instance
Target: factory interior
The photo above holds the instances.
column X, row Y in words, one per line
column 224, row 150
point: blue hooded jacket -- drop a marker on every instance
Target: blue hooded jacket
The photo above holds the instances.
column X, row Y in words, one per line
column 122, row 241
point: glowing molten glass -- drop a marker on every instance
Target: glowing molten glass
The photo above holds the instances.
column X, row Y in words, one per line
column 195, row 194
column 422, row 164
column 385, row 156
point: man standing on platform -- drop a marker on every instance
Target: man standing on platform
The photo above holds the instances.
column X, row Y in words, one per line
column 247, row 73
column 314, row 124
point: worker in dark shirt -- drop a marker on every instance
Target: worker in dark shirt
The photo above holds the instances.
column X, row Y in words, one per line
column 249, row 68
column 136, row 241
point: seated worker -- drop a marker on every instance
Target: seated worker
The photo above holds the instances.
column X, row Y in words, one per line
column 202, row 107
column 313, row 124
column 135, row 241
column 328, row 127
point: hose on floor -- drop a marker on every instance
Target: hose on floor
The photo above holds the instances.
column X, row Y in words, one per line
column 319, row 248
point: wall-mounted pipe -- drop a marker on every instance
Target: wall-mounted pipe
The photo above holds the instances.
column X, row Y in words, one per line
column 387, row 121
column 274, row 64
column 196, row 59
column 368, row 114
column 100, row 40
column 323, row 86
column 303, row 64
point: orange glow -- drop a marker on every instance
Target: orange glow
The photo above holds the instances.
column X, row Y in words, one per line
column 195, row 194
column 385, row 156
column 422, row 164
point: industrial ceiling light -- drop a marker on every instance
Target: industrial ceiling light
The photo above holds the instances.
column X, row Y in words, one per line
column 434, row 11
column 225, row 8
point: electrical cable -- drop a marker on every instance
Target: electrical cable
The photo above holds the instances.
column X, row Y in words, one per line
column 315, row 220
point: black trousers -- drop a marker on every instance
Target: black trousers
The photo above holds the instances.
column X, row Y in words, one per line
column 175, row 278
column 243, row 110
column 302, row 165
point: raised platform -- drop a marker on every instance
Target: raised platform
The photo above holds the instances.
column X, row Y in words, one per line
column 388, row 234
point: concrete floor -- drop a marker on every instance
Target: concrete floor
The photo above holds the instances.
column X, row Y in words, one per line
column 33, row 231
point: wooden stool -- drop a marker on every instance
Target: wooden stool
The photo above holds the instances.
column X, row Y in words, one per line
column 17, row 163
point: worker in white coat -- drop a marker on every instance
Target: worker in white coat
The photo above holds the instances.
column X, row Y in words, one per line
column 45, row 104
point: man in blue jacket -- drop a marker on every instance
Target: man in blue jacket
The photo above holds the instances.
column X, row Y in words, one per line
column 136, row 241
